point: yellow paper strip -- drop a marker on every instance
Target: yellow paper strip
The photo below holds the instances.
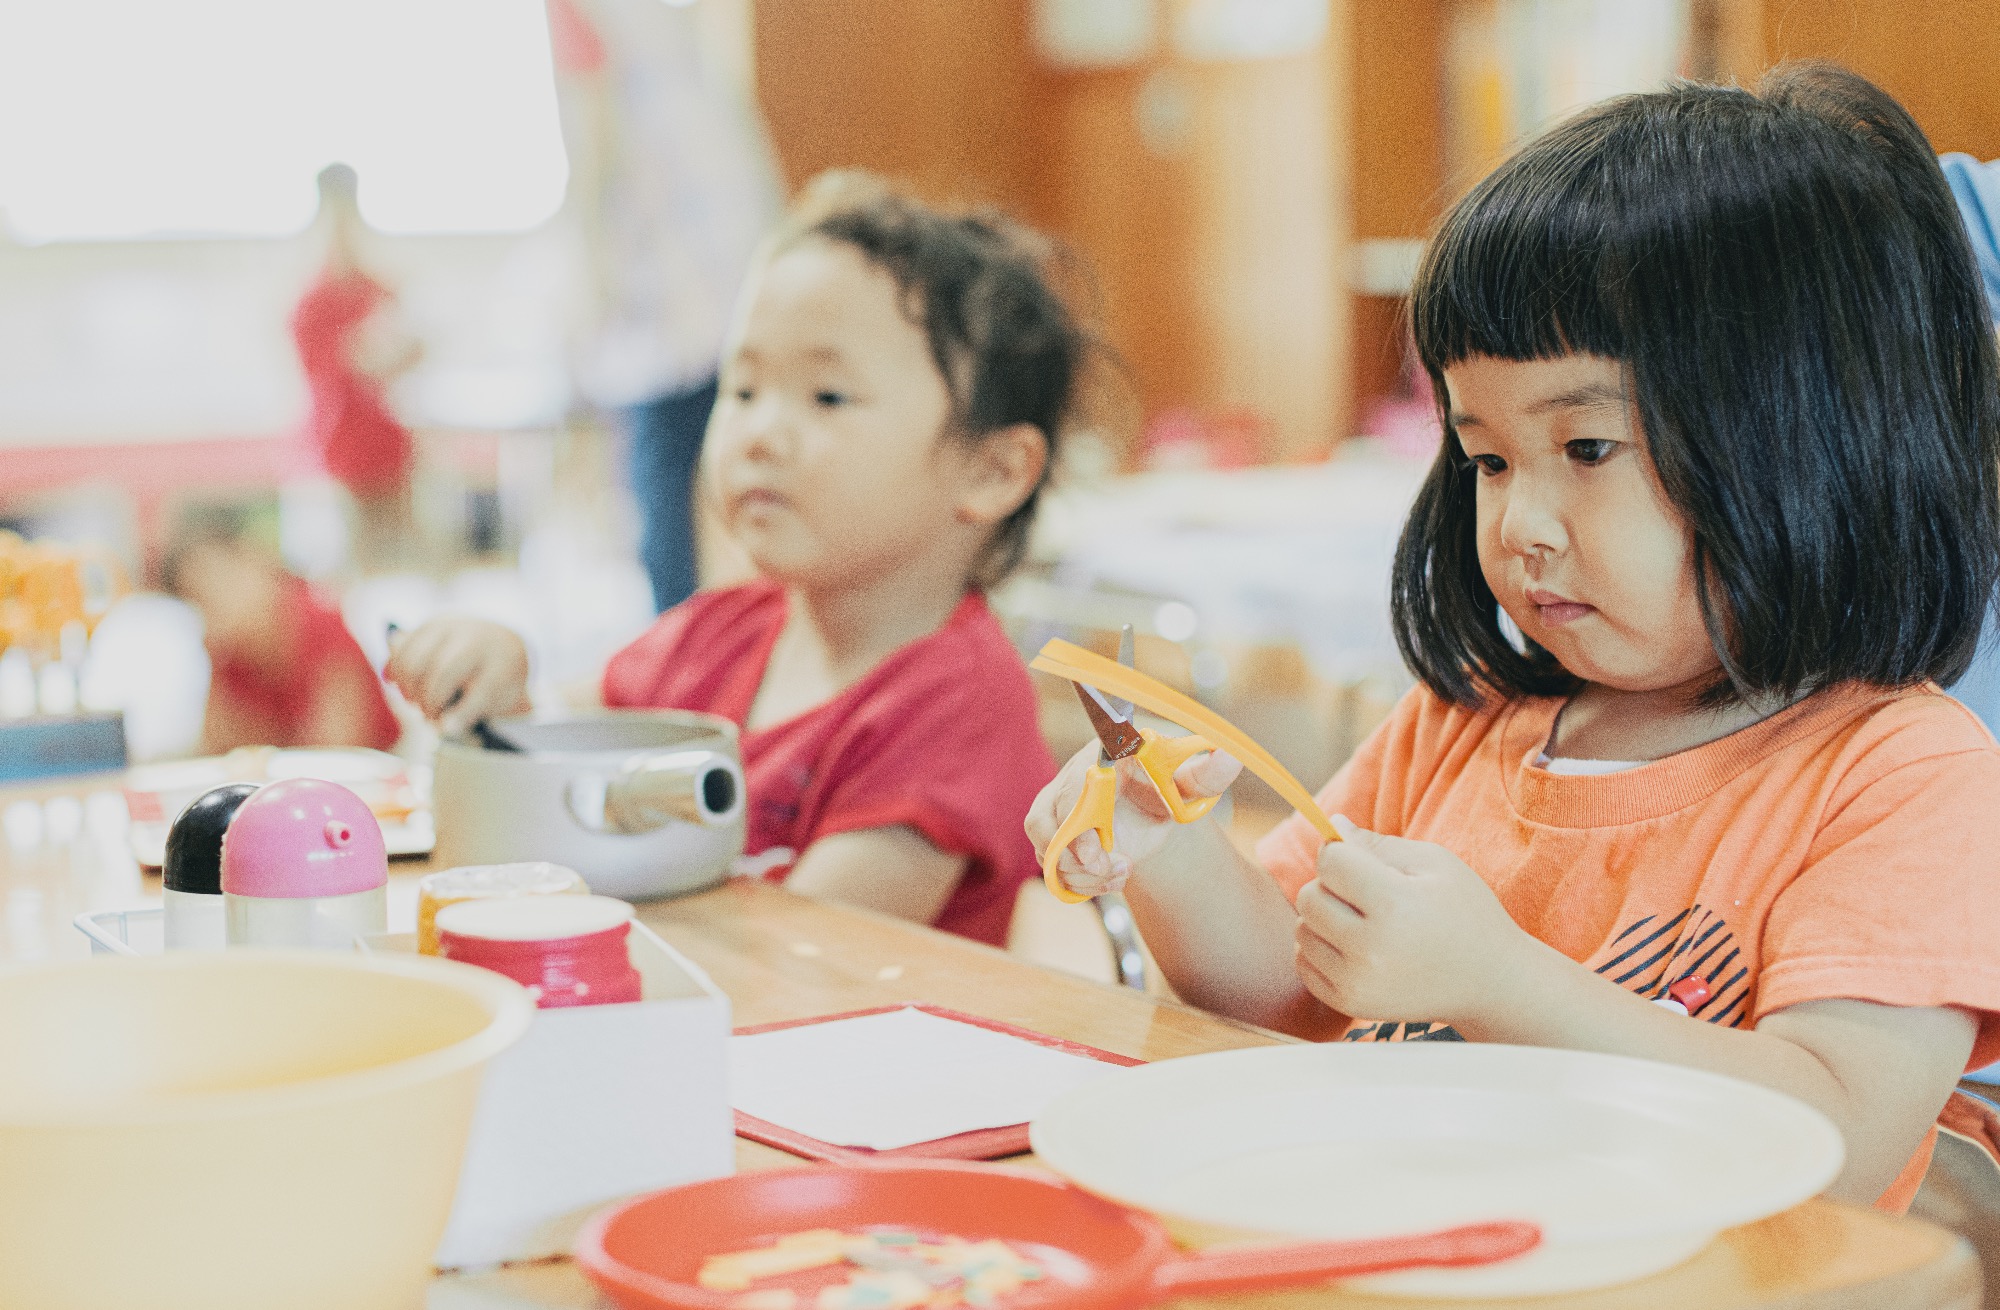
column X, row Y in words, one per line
column 1092, row 670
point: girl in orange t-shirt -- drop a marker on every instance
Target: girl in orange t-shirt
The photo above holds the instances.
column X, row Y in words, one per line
column 1716, row 510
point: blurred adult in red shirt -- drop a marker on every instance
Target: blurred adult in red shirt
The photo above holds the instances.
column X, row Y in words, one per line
column 351, row 345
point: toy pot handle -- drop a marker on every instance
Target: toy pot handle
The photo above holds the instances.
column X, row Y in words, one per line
column 654, row 789
column 1265, row 1268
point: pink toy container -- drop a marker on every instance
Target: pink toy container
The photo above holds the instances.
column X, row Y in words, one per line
column 303, row 864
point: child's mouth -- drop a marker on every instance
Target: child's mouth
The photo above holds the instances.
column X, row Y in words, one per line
column 1556, row 610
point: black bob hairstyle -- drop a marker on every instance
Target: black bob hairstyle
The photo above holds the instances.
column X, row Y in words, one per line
column 986, row 292
column 1785, row 278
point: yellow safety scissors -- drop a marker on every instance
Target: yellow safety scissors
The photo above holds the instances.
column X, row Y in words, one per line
column 1119, row 738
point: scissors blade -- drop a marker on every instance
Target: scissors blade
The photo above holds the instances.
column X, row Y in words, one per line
column 1116, row 736
column 1119, row 706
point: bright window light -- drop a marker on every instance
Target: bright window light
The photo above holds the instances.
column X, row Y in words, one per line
column 138, row 118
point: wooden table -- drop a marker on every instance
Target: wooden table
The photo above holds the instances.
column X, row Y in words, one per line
column 778, row 956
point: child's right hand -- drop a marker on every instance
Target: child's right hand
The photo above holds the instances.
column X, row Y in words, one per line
column 1142, row 823
column 460, row 671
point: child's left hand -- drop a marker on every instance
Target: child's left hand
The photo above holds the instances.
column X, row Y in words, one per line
column 1402, row 930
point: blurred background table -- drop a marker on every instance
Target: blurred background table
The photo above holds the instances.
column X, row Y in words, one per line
column 1295, row 556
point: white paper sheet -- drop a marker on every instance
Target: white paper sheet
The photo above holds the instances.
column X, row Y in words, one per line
column 896, row 1079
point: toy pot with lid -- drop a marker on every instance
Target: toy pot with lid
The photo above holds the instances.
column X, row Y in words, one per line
column 642, row 803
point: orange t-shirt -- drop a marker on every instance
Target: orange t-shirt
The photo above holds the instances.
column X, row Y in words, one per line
column 1842, row 848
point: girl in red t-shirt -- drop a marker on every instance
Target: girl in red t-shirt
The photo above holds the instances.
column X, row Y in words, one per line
column 890, row 403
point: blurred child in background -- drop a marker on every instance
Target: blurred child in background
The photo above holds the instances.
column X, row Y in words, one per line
column 892, row 396
column 285, row 670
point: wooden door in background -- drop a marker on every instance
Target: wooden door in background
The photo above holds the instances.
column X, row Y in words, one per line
column 1122, row 203
column 1205, row 194
column 1273, row 223
column 1208, row 194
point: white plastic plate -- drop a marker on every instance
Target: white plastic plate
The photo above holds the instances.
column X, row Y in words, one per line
column 1629, row 1166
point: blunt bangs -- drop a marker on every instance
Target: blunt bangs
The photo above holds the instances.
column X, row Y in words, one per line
column 1786, row 281
column 1517, row 272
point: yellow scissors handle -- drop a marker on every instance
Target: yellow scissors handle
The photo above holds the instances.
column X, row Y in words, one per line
column 1159, row 757
column 1092, row 813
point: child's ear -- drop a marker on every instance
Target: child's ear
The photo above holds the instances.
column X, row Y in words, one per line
column 1002, row 470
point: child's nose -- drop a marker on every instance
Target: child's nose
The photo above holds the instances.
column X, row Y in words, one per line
column 1531, row 526
column 757, row 429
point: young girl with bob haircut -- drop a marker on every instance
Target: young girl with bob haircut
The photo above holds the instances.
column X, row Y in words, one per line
column 1716, row 510
column 891, row 400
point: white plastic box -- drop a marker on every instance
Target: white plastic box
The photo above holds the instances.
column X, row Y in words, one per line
column 596, row 1103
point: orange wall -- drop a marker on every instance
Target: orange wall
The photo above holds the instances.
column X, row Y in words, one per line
column 932, row 94
column 1398, row 59
column 1400, row 189
column 1941, row 58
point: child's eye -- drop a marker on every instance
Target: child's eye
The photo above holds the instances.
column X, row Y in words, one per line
column 1590, row 450
column 743, row 395
column 1488, row 465
column 829, row 399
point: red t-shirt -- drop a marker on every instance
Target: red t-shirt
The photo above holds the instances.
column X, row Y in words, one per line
column 941, row 736
column 358, row 440
column 320, row 646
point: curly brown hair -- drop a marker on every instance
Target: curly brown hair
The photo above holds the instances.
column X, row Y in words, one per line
column 984, row 289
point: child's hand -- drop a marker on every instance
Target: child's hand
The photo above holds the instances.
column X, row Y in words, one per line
column 1141, row 822
column 1403, row 930
column 460, row 671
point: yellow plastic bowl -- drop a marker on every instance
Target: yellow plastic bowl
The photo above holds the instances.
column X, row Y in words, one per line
column 254, row 1129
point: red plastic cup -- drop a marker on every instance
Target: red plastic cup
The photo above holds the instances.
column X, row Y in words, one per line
column 566, row 950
